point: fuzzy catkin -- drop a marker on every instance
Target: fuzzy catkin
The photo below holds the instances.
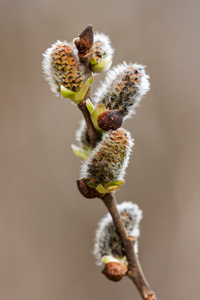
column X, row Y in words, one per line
column 123, row 88
column 101, row 48
column 108, row 161
column 61, row 67
column 107, row 241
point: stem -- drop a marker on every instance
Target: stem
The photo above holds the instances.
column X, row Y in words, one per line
column 83, row 44
column 94, row 136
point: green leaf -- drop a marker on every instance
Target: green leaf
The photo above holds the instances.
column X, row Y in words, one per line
column 101, row 189
column 102, row 66
column 66, row 93
column 94, row 116
column 90, row 106
column 109, row 258
column 76, row 97
column 80, row 152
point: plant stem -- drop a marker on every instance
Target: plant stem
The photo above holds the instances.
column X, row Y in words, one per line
column 83, row 44
column 94, row 136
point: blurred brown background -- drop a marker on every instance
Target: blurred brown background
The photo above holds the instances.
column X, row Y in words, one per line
column 46, row 226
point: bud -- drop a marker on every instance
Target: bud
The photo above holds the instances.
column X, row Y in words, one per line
column 101, row 53
column 123, row 88
column 84, row 41
column 85, row 190
column 107, row 163
column 115, row 271
column 110, row 119
column 108, row 247
column 64, row 72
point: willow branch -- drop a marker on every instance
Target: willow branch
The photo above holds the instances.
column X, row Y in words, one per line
column 135, row 273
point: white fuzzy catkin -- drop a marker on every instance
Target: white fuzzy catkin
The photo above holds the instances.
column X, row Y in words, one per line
column 107, row 241
column 101, row 48
column 109, row 159
column 124, row 87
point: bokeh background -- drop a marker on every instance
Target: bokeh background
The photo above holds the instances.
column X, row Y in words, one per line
column 46, row 226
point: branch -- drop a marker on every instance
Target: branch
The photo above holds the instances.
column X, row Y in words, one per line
column 135, row 272
column 134, row 269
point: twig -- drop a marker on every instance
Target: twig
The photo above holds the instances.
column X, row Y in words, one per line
column 135, row 272
column 134, row 269
column 94, row 136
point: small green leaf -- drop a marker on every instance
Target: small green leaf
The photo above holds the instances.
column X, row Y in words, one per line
column 116, row 183
column 94, row 116
column 90, row 106
column 101, row 189
column 82, row 92
column 102, row 66
column 109, row 258
column 81, row 153
column 109, row 187
column 76, row 97
column 66, row 93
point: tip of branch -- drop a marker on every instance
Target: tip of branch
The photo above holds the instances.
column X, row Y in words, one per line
column 84, row 41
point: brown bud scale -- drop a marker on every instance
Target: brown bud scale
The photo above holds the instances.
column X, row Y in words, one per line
column 110, row 119
column 85, row 41
column 86, row 191
column 115, row 271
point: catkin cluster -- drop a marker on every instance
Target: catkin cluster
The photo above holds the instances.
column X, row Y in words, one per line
column 114, row 101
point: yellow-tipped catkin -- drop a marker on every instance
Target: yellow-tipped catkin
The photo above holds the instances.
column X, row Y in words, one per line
column 108, row 161
column 62, row 68
column 108, row 247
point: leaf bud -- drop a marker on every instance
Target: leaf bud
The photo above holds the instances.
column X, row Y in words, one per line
column 115, row 271
column 110, row 119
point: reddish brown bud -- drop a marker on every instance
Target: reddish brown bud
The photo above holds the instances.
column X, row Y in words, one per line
column 85, row 41
column 115, row 271
column 110, row 119
column 86, row 191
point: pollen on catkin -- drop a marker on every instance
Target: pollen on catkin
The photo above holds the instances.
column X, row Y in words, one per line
column 123, row 88
column 101, row 53
column 107, row 241
column 109, row 159
column 61, row 67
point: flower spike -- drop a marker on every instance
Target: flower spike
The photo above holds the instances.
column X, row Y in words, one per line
column 101, row 53
column 105, row 168
column 64, row 72
column 108, row 249
column 123, row 88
